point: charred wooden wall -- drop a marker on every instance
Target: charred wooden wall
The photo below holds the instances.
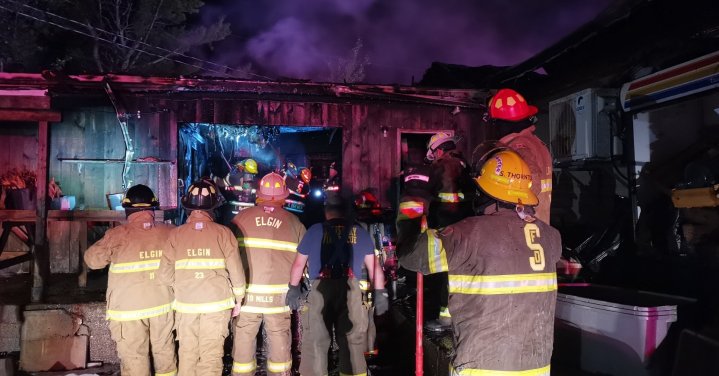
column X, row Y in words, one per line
column 87, row 138
column 19, row 131
column 370, row 155
column 19, row 150
column 87, row 149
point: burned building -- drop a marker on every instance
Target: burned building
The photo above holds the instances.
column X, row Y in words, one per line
column 94, row 136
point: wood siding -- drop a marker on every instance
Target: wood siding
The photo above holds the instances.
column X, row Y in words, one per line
column 93, row 134
column 88, row 137
column 19, row 146
column 369, row 157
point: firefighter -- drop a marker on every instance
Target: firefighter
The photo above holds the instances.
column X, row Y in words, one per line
column 139, row 322
column 334, row 252
column 413, row 208
column 369, row 216
column 202, row 263
column 452, row 190
column 244, row 180
column 298, row 185
column 502, row 275
column 268, row 236
column 449, row 182
column 514, row 119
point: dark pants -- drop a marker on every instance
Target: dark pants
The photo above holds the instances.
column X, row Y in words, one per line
column 334, row 305
column 438, row 287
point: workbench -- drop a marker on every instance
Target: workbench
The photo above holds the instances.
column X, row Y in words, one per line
column 23, row 223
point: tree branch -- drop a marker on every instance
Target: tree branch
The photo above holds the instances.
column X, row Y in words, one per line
column 95, row 48
column 147, row 33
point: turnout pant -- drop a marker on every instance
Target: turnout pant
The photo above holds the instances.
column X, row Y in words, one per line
column 334, row 305
column 202, row 338
column 277, row 326
column 134, row 340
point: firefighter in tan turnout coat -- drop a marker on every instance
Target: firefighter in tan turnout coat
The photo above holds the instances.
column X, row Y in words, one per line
column 268, row 236
column 202, row 261
column 514, row 119
column 138, row 305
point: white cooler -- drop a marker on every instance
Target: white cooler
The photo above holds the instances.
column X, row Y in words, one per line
column 616, row 329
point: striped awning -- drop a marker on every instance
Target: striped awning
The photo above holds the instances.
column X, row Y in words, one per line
column 685, row 79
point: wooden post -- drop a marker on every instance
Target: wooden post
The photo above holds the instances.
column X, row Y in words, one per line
column 172, row 119
column 82, row 278
column 40, row 264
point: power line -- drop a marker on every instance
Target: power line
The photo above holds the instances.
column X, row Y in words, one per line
column 46, row 13
column 104, row 40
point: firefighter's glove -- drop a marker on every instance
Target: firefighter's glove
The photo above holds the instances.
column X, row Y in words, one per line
column 236, row 309
column 381, row 302
column 293, row 297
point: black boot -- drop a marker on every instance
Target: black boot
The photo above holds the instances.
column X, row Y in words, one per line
column 439, row 325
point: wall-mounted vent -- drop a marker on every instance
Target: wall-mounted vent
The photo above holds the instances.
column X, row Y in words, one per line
column 580, row 125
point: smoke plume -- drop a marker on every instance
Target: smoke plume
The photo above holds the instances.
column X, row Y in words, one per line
column 400, row 38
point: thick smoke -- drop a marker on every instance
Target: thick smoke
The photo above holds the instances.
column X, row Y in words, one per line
column 401, row 38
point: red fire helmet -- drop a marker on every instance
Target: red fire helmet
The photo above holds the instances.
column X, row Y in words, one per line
column 306, row 175
column 509, row 105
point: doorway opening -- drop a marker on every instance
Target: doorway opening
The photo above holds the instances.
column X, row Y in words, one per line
column 221, row 152
column 412, row 151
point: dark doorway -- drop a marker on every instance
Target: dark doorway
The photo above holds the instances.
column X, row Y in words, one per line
column 217, row 151
column 412, row 151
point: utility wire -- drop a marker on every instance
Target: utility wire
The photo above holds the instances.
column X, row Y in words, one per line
column 47, row 13
column 105, row 40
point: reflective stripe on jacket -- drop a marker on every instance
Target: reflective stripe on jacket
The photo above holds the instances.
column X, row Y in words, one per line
column 502, row 284
column 268, row 236
column 133, row 251
column 138, row 314
column 202, row 261
column 426, row 255
column 436, row 254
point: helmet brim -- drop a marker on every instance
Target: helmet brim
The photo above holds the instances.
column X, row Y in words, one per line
column 529, row 199
column 531, row 111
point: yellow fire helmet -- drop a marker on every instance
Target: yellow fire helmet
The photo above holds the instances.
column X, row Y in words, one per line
column 506, row 177
column 250, row 165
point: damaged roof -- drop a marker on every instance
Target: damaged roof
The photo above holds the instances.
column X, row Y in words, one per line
column 61, row 85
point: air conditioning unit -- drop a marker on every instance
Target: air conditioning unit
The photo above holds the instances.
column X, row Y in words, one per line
column 580, row 125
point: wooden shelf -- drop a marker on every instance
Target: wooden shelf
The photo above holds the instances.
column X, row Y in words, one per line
column 18, row 215
column 79, row 215
column 103, row 215
column 78, row 160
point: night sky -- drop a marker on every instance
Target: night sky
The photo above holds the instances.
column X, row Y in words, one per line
column 401, row 38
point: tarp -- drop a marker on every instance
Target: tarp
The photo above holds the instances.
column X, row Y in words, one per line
column 694, row 76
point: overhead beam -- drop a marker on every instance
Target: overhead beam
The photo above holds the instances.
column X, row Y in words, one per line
column 30, row 115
